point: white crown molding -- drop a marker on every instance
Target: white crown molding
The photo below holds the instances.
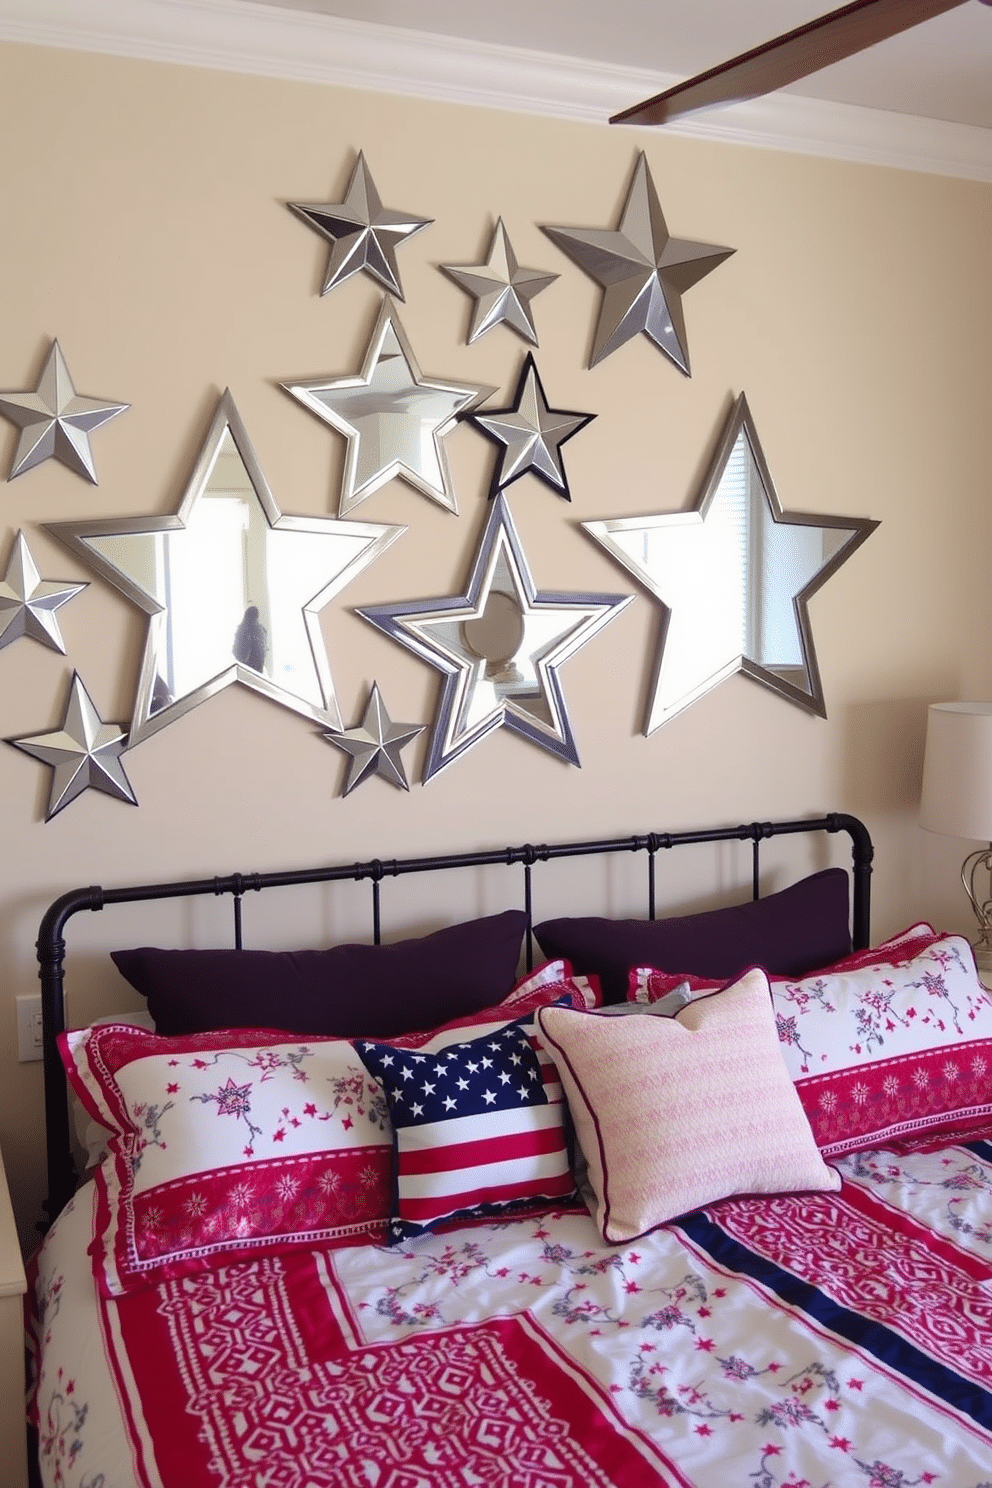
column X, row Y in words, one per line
column 270, row 41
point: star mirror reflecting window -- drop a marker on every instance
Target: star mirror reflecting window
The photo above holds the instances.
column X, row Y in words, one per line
column 232, row 588
column 734, row 577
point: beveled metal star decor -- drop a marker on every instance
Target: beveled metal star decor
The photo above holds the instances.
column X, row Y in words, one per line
column 28, row 603
column 84, row 753
column 502, row 290
column 55, row 421
column 531, row 434
column 232, row 588
column 363, row 234
column 734, row 577
column 375, row 745
column 500, row 647
column 644, row 272
column 394, row 418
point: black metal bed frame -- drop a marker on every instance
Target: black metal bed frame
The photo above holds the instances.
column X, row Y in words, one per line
column 52, row 948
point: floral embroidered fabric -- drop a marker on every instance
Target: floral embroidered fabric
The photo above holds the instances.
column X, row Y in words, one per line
column 230, row 1143
column 836, row 1339
column 892, row 1044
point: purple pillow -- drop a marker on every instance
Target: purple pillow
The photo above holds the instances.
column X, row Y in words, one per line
column 348, row 991
column 797, row 930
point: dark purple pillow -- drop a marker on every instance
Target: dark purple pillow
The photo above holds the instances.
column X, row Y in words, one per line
column 348, row 991
column 797, row 930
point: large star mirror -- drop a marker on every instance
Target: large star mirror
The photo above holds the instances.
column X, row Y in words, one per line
column 734, row 577
column 232, row 587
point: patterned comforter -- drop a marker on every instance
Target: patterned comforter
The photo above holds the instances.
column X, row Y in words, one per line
column 812, row 1341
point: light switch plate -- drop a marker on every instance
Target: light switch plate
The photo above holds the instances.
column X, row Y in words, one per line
column 29, row 1027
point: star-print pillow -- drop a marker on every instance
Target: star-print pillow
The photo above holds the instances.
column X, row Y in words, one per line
column 478, row 1126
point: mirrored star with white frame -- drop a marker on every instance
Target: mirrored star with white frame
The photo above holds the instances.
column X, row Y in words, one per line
column 500, row 647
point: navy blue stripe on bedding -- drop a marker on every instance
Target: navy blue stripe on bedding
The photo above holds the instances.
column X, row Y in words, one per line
column 980, row 1149
column 872, row 1337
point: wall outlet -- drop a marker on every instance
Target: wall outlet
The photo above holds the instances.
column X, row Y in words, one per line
column 29, row 1027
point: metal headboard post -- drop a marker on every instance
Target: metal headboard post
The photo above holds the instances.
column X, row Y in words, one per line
column 51, row 942
column 653, row 844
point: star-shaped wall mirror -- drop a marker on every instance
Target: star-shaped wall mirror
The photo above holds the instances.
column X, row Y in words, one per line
column 232, row 587
column 394, row 418
column 734, row 577
column 499, row 646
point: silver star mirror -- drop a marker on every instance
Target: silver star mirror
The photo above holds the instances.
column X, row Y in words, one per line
column 734, row 577
column 530, row 434
column 394, row 418
column 363, row 234
column 233, row 589
column 500, row 647
column 501, row 289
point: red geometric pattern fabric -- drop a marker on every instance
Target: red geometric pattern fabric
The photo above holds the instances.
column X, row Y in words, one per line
column 841, row 1341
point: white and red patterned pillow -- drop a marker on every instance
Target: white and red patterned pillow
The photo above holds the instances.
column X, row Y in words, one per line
column 478, row 1125
column 676, row 1113
column 890, row 1045
column 223, row 1145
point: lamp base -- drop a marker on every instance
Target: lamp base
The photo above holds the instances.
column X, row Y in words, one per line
column 982, row 944
column 983, row 959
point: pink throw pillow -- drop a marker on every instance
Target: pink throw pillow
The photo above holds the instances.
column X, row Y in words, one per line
column 890, row 1045
column 675, row 1113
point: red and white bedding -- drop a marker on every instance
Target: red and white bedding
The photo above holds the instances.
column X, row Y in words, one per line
column 826, row 1339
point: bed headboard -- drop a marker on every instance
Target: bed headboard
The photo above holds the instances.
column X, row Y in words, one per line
column 52, row 948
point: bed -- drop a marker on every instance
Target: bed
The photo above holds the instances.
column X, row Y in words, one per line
column 697, row 1200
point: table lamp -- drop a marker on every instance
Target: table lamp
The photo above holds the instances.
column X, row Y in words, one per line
column 957, row 798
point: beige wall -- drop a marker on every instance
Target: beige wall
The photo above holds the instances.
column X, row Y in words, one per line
column 144, row 225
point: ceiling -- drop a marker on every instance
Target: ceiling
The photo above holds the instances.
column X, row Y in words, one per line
column 941, row 70
column 921, row 101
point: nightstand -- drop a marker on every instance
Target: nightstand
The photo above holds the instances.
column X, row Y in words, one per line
column 13, row 1285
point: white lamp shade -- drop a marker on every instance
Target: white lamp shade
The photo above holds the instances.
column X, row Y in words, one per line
column 957, row 771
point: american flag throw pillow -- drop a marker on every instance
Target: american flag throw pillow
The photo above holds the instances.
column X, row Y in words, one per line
column 478, row 1128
